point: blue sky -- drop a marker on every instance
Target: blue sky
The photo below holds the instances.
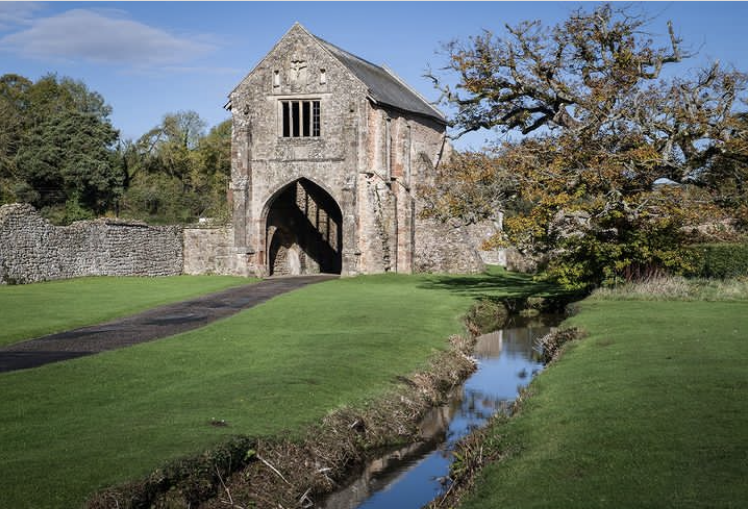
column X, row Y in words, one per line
column 151, row 58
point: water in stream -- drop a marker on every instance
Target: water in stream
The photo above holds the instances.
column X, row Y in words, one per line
column 410, row 478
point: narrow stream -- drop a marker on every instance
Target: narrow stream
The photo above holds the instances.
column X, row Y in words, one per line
column 410, row 478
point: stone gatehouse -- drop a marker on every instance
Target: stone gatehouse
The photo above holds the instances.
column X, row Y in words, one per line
column 328, row 151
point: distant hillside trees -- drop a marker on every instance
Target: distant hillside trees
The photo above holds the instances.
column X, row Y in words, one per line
column 60, row 152
column 608, row 157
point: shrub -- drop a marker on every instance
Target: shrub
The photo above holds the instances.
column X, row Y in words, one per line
column 722, row 261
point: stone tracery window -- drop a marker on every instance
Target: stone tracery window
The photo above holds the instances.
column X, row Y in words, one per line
column 300, row 118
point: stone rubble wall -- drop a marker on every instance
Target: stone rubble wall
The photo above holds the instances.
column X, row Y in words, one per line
column 209, row 251
column 479, row 234
column 441, row 247
column 32, row 249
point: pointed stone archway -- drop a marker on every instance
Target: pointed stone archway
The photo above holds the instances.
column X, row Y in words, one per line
column 303, row 231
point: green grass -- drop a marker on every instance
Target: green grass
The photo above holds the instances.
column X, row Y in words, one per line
column 34, row 310
column 650, row 410
column 70, row 428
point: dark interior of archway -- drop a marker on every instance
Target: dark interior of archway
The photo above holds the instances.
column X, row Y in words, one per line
column 304, row 231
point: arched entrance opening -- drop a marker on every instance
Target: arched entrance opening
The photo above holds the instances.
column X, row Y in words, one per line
column 303, row 232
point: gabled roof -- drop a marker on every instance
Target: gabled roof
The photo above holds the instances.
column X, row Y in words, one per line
column 385, row 87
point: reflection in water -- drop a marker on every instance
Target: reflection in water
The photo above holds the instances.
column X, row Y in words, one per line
column 413, row 476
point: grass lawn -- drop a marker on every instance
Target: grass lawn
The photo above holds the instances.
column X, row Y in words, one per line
column 69, row 428
column 34, row 310
column 650, row 410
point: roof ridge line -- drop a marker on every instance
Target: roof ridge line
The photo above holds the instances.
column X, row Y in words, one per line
column 320, row 39
column 339, row 53
column 383, row 85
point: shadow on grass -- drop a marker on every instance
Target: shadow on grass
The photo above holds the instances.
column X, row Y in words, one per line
column 498, row 285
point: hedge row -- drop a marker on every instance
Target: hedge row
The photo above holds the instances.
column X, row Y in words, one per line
column 724, row 260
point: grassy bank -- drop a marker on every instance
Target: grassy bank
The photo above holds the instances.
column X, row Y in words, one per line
column 649, row 410
column 34, row 310
column 70, row 428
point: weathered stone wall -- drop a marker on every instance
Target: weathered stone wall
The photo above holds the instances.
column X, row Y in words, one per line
column 439, row 247
column 444, row 248
column 209, row 251
column 378, row 228
column 479, row 234
column 387, row 184
column 32, row 249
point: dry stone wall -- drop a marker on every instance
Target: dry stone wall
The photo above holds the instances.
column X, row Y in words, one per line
column 32, row 249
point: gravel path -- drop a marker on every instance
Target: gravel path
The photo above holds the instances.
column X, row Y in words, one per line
column 153, row 324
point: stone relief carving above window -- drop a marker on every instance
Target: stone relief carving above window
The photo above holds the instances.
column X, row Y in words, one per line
column 298, row 69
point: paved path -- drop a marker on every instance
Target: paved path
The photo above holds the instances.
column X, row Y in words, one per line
column 153, row 324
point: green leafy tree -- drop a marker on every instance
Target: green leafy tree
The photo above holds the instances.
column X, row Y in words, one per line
column 215, row 159
column 59, row 154
column 176, row 172
column 13, row 89
column 68, row 157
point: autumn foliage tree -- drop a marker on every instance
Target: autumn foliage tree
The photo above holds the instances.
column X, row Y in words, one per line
column 606, row 160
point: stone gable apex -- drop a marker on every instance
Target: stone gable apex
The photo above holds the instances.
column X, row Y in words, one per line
column 384, row 86
column 296, row 28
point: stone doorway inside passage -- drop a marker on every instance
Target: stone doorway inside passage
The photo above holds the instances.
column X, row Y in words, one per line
column 303, row 232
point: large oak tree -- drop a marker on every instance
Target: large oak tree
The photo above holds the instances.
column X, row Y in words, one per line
column 608, row 156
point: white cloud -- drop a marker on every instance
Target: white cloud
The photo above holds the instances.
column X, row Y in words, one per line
column 102, row 37
column 13, row 14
